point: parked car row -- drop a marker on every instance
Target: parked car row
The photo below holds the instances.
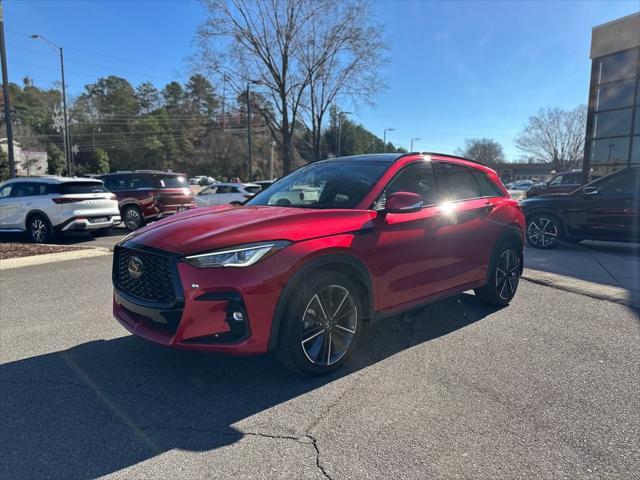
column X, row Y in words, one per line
column 46, row 206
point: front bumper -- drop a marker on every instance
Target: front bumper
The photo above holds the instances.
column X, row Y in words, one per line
column 226, row 310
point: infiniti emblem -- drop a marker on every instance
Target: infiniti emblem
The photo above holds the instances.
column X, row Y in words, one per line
column 135, row 267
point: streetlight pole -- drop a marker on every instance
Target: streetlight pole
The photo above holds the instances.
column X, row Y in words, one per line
column 412, row 140
column 5, row 91
column 249, row 131
column 66, row 136
column 340, row 117
column 384, row 136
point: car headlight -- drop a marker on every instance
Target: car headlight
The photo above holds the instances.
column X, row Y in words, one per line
column 241, row 256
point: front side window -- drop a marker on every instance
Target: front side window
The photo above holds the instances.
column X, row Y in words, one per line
column 457, row 182
column 223, row 189
column 623, row 184
column 23, row 190
column 490, row 189
column 136, row 182
column 571, row 179
column 557, row 180
column 331, row 184
column 417, row 178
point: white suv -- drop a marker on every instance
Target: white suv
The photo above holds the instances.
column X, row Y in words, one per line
column 45, row 206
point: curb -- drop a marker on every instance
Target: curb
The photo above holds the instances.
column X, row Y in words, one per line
column 591, row 289
column 19, row 262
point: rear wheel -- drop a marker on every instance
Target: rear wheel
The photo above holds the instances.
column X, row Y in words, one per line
column 503, row 278
column 39, row 229
column 321, row 326
column 544, row 231
column 132, row 217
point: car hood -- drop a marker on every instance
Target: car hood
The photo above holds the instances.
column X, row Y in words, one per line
column 205, row 229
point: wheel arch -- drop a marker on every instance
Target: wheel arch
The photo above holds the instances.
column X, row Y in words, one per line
column 344, row 263
column 33, row 212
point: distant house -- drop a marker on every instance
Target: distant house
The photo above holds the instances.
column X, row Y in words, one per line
column 28, row 162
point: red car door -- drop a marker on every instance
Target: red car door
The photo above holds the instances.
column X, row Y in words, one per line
column 410, row 253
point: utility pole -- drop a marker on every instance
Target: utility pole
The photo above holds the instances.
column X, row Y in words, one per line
column 273, row 144
column 249, row 131
column 412, row 140
column 5, row 91
column 67, row 136
column 384, row 136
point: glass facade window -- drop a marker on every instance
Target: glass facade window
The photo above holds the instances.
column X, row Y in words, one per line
column 610, row 150
column 636, row 122
column 617, row 66
column 635, row 149
column 615, row 95
column 613, row 123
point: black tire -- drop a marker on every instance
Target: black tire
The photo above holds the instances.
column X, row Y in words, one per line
column 544, row 231
column 132, row 217
column 313, row 339
column 39, row 228
column 503, row 276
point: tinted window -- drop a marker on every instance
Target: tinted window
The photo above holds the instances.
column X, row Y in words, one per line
column 557, row 180
column 233, row 190
column 114, row 183
column 571, row 179
column 332, row 184
column 490, row 189
column 417, row 178
column 457, row 182
column 27, row 189
column 81, row 187
column 253, row 189
column 171, row 181
column 627, row 183
column 223, row 189
column 635, row 150
column 615, row 95
column 135, row 182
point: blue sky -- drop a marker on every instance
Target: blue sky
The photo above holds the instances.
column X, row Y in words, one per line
column 457, row 69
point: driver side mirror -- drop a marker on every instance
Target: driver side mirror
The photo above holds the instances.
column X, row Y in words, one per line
column 403, row 202
column 590, row 191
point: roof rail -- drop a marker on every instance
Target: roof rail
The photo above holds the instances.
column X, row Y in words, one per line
column 452, row 156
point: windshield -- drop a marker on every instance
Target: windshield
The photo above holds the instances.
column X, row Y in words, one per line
column 172, row 181
column 333, row 184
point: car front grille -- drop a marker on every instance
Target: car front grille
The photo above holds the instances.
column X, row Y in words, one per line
column 155, row 281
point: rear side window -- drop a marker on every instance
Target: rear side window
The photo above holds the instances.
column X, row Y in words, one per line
column 136, row 182
column 456, row 182
column 487, row 187
column 114, row 183
column 81, row 187
column 28, row 189
column 172, row 181
column 252, row 189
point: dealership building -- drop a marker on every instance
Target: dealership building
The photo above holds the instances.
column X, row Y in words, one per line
column 613, row 121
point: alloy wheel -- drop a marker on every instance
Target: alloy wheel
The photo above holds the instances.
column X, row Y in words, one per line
column 328, row 325
column 132, row 219
column 507, row 274
column 39, row 230
column 542, row 232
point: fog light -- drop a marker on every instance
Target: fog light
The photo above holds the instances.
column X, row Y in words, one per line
column 237, row 316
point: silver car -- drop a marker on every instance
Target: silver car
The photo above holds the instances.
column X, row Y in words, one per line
column 46, row 206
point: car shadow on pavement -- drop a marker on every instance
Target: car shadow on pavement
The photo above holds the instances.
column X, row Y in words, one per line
column 109, row 404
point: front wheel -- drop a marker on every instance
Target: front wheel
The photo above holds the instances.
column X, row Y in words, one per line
column 544, row 231
column 321, row 326
column 503, row 277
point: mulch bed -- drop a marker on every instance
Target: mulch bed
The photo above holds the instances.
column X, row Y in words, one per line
column 15, row 250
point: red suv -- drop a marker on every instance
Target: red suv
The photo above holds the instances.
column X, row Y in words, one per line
column 372, row 235
column 146, row 195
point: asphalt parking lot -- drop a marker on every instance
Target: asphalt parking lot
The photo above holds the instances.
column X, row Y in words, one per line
column 545, row 388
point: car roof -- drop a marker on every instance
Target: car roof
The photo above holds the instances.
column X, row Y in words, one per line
column 233, row 184
column 376, row 157
column 52, row 179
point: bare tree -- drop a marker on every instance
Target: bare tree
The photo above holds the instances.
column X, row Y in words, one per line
column 342, row 54
column 259, row 41
column 482, row 149
column 555, row 136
